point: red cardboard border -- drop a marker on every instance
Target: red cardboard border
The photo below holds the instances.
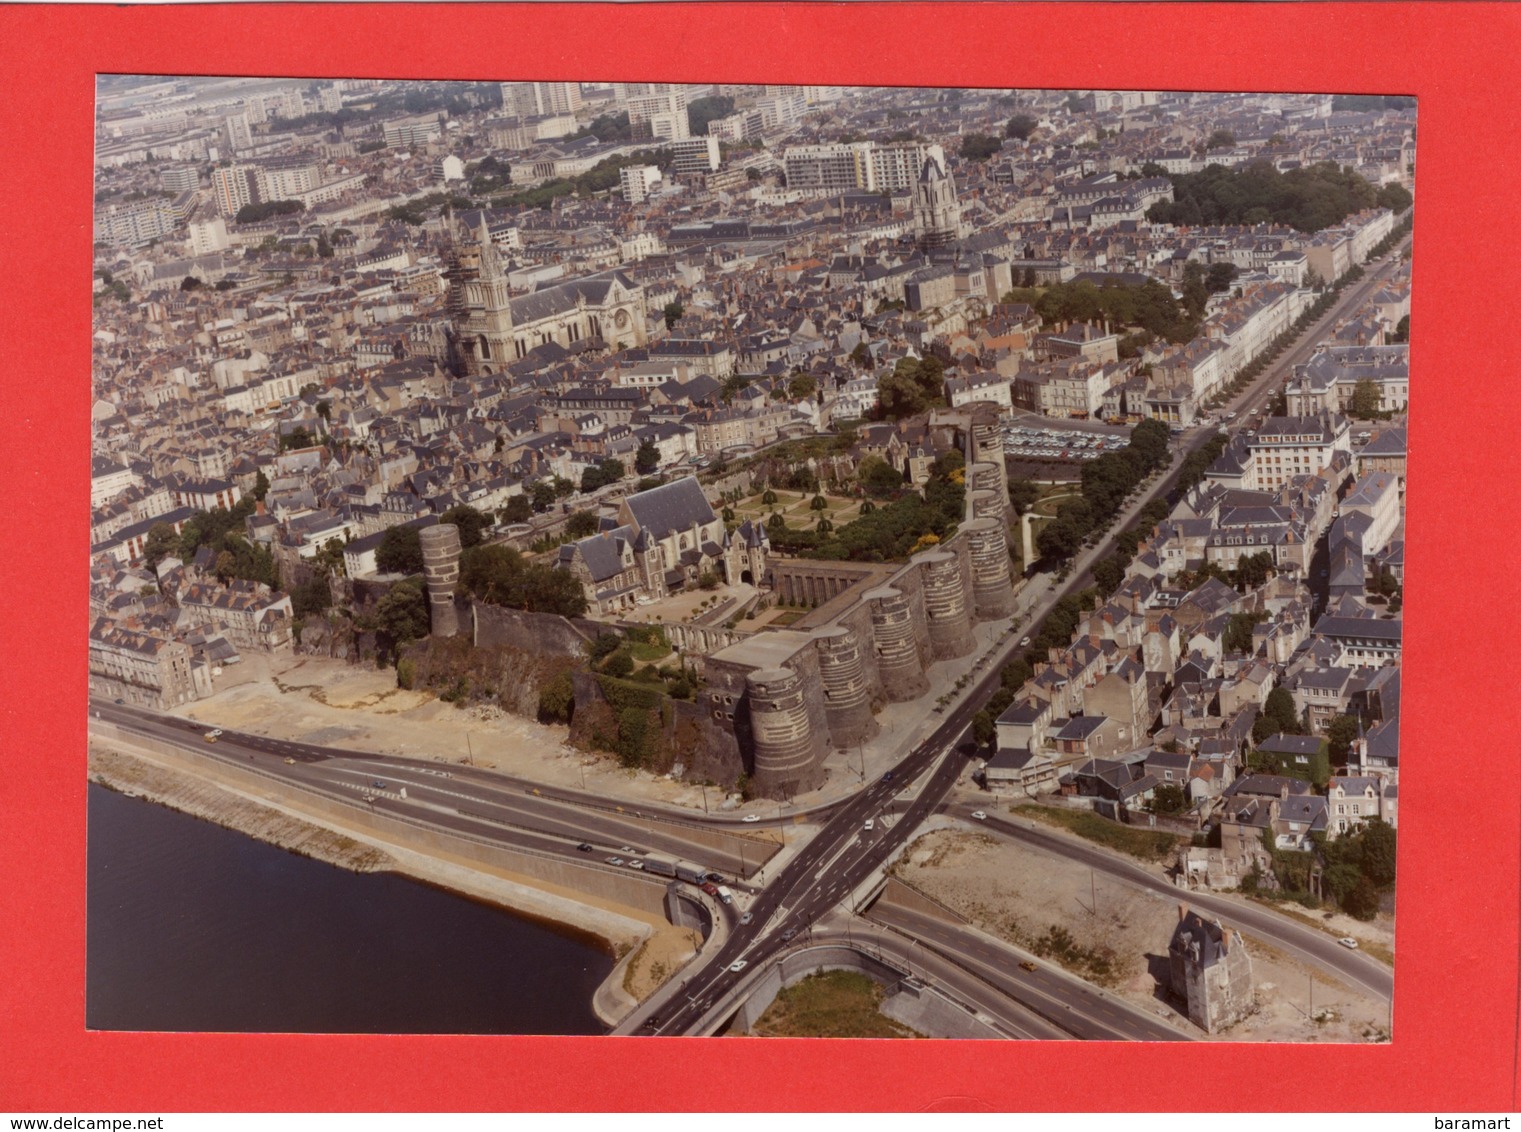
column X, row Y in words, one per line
column 1456, row 987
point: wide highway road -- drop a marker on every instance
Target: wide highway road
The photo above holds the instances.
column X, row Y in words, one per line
column 1072, row 1005
column 470, row 801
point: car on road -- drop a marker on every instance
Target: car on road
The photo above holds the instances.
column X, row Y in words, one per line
column 213, row 735
column 747, row 917
column 752, row 817
column 1028, row 966
column 888, row 777
column 788, row 935
column 716, row 878
column 739, row 965
column 379, row 785
column 636, row 864
column 625, row 848
column 118, row 701
column 1348, row 942
column 1023, row 641
column 584, row 847
column 980, row 815
column 615, row 860
column 710, row 888
column 290, row 762
column 871, row 823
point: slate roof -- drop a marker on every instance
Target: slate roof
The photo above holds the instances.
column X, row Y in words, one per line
column 671, row 507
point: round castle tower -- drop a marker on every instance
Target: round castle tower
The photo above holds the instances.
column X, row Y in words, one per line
column 945, row 604
column 440, row 553
column 847, row 696
column 787, row 751
column 900, row 665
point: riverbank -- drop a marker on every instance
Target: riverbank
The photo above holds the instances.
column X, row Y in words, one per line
column 199, row 790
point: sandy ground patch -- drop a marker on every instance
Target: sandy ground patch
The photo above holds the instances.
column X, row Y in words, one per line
column 321, row 700
column 1021, row 894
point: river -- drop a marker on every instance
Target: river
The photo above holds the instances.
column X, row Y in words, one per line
column 192, row 927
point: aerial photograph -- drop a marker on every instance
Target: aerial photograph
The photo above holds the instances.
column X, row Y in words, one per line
column 654, row 559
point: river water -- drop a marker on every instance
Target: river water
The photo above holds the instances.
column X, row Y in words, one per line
column 192, row 927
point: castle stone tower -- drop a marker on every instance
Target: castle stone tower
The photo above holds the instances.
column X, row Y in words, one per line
column 900, row 664
column 847, row 694
column 945, row 604
column 992, row 590
column 440, row 551
column 788, row 749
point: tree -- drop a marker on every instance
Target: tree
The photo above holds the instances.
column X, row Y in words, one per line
column 402, row 614
column 1402, row 330
column 647, row 458
column 818, row 503
column 1195, row 289
column 1238, row 631
column 471, row 524
column 673, row 312
column 261, row 485
column 1220, row 277
column 802, row 385
column 620, row 664
column 1022, row 494
column 1019, row 127
column 190, row 283
column 518, row 510
column 1365, row 399
column 162, row 541
column 879, row 477
column 1340, row 734
column 557, row 700
column 979, row 147
column 900, row 396
column 1379, row 851
column 400, row 552
column 984, row 729
column 1279, row 716
column 581, row 524
column 1220, row 139
column 1168, row 798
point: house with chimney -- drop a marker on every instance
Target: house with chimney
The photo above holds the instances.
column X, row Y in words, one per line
column 1210, row 972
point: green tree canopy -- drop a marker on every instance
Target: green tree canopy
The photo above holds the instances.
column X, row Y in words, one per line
column 581, row 524
column 979, row 147
column 402, row 614
column 161, row 543
column 647, row 458
column 400, row 551
column 879, row 477
column 1019, row 127
column 471, row 523
column 500, row 575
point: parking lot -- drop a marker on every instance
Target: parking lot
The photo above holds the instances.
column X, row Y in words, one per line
column 1036, row 443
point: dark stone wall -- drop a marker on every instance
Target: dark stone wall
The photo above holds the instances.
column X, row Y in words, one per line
column 532, row 632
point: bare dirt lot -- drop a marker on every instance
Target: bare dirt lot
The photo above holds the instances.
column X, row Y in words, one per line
column 1024, row 896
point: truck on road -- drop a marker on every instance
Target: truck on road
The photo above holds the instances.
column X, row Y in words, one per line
column 660, row 864
column 689, row 872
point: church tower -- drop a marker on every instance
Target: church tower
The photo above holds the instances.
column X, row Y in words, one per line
column 937, row 215
column 479, row 305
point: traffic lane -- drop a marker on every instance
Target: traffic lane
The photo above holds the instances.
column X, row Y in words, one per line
column 847, row 874
column 564, row 818
column 420, row 777
column 1303, row 942
column 1057, row 995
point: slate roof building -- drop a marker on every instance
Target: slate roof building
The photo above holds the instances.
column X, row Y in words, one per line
column 1211, row 972
column 663, row 540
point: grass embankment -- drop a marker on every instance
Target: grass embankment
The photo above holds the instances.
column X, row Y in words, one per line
column 1144, row 844
column 831, row 1004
